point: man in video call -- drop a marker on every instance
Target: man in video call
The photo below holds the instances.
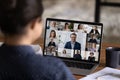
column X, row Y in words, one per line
column 73, row 44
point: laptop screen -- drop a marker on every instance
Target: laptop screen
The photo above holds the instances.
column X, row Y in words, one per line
column 73, row 39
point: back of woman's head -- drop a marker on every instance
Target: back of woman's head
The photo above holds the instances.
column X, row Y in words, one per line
column 16, row 14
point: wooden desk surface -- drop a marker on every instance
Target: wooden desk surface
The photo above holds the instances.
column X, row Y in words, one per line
column 102, row 59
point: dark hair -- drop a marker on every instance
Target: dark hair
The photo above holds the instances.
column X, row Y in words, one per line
column 64, row 51
column 16, row 14
column 73, row 34
column 65, row 25
column 91, row 53
column 54, row 33
column 79, row 26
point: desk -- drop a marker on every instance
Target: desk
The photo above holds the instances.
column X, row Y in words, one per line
column 102, row 59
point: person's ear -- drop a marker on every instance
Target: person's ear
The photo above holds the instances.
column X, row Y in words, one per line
column 34, row 22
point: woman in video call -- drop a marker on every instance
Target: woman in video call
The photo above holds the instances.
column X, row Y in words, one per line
column 52, row 37
column 81, row 29
column 21, row 24
column 91, row 58
column 52, row 34
column 52, row 43
column 66, row 27
column 93, row 42
column 64, row 53
column 93, row 39
column 50, row 51
column 94, row 31
column 77, row 55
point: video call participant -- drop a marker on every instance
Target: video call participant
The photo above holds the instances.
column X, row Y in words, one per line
column 21, row 24
column 64, row 53
column 93, row 39
column 81, row 29
column 92, row 43
column 73, row 44
column 51, row 51
column 52, row 43
column 52, row 34
column 91, row 58
column 53, row 25
column 77, row 55
column 66, row 27
column 94, row 31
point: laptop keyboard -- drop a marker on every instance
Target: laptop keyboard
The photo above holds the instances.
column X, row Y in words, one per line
column 79, row 65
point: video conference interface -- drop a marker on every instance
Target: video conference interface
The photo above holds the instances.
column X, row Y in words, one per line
column 72, row 40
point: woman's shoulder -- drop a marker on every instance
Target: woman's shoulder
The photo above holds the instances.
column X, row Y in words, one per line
column 49, row 64
column 47, row 60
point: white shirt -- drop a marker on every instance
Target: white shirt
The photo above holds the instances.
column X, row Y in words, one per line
column 72, row 45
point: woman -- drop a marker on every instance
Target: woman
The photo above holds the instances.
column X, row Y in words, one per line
column 52, row 34
column 20, row 22
column 91, row 58
column 64, row 53
column 81, row 29
column 52, row 44
column 53, row 37
column 93, row 40
column 66, row 28
column 94, row 31
column 77, row 55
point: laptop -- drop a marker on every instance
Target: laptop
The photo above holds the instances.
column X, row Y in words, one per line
column 76, row 43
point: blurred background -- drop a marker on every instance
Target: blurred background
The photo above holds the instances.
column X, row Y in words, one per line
column 104, row 11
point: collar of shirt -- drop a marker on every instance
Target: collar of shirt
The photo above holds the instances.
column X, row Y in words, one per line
column 72, row 44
